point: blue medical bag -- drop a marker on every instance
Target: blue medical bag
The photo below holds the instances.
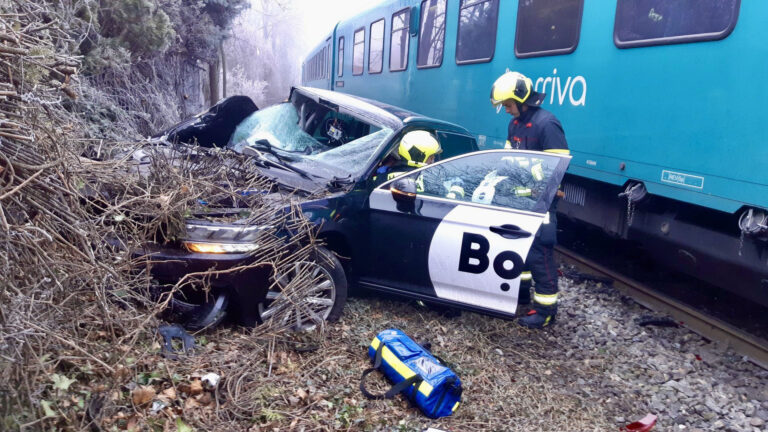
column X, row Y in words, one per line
column 422, row 377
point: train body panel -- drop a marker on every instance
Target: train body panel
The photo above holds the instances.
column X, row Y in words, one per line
column 682, row 119
column 319, row 65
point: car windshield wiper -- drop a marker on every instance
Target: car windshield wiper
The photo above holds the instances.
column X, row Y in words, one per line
column 265, row 146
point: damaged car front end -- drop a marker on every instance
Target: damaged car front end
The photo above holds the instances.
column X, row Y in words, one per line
column 262, row 256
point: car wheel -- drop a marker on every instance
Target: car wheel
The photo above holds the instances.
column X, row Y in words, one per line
column 318, row 287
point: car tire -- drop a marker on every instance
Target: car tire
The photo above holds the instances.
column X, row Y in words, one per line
column 327, row 299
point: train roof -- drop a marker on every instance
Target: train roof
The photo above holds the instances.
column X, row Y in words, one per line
column 385, row 114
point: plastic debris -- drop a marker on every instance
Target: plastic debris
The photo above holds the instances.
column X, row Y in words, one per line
column 157, row 406
column 643, row 425
column 210, row 381
column 175, row 331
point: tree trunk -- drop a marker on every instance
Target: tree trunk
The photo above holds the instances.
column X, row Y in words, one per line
column 223, row 58
column 214, row 83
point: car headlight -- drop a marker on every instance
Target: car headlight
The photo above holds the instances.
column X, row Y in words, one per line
column 220, row 248
column 221, row 239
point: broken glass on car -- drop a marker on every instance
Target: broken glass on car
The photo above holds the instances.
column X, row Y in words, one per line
column 318, row 138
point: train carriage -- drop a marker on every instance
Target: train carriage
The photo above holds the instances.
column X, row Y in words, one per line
column 661, row 102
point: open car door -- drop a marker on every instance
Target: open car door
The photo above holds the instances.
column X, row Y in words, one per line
column 458, row 231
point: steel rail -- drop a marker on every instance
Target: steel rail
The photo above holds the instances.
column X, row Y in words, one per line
column 753, row 348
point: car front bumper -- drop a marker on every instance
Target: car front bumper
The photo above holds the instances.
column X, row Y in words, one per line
column 238, row 276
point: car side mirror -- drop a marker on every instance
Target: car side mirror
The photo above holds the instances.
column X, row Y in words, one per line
column 404, row 193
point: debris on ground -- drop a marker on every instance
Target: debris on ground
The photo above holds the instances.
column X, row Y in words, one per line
column 645, row 424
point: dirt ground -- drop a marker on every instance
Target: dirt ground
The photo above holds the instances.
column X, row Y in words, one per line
column 513, row 378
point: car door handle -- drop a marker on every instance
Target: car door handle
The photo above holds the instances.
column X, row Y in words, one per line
column 510, row 231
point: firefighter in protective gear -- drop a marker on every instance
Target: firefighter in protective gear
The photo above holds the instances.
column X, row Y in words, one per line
column 416, row 149
column 534, row 128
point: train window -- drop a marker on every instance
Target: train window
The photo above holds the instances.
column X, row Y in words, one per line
column 660, row 22
column 476, row 39
column 431, row 34
column 322, row 63
column 358, row 52
column 376, row 48
column 398, row 47
column 547, row 27
column 340, row 60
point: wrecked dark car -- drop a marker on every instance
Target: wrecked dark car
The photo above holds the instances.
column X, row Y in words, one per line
column 412, row 234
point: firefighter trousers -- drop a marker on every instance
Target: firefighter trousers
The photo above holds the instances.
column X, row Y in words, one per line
column 541, row 265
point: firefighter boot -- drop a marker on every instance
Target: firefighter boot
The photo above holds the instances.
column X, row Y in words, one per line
column 536, row 320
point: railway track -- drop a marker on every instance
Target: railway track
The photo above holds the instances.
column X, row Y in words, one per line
column 754, row 348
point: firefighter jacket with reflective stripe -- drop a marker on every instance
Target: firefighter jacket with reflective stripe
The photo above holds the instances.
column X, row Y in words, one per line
column 536, row 129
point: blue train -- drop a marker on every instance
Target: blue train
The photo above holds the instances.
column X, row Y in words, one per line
column 660, row 100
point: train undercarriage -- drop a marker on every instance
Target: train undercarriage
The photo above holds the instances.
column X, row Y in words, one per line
column 706, row 244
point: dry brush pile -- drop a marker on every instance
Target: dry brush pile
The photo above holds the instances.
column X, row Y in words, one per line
column 78, row 315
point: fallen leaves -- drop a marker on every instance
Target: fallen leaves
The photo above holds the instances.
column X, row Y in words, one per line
column 143, row 395
column 61, row 382
column 193, row 388
column 169, row 393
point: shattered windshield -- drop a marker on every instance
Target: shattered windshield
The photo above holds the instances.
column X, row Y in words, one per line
column 317, row 138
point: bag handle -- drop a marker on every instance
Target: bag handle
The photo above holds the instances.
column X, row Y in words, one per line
column 397, row 388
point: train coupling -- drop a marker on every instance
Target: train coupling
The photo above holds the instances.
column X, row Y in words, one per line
column 754, row 222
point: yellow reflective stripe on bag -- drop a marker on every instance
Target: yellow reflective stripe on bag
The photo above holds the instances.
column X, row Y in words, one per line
column 545, row 299
column 425, row 388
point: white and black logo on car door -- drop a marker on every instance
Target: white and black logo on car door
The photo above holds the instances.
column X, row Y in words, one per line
column 477, row 255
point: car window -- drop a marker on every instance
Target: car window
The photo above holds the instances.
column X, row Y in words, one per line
column 316, row 138
column 353, row 155
column 277, row 124
column 510, row 179
column 455, row 144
